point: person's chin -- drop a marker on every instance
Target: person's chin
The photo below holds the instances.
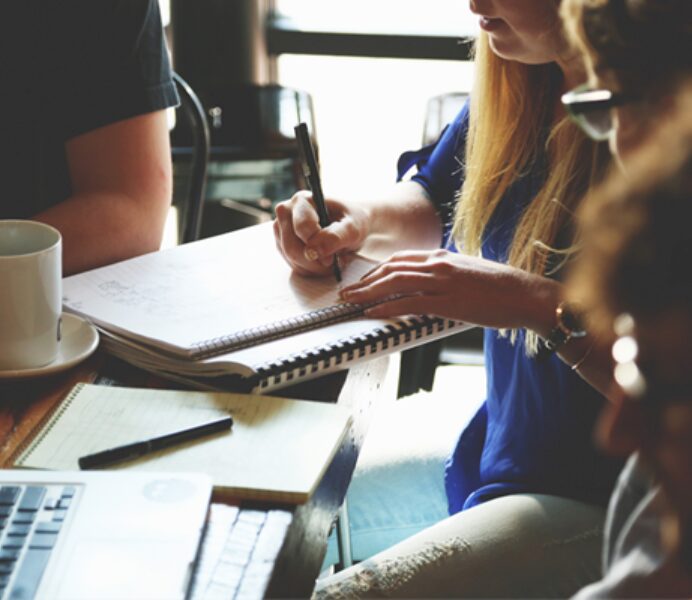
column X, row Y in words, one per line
column 502, row 46
column 510, row 48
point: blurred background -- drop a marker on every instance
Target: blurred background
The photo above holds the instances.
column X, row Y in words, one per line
column 362, row 73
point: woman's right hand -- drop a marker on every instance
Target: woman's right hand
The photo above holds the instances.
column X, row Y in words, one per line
column 308, row 248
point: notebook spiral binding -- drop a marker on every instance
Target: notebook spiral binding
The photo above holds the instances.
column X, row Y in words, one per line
column 278, row 329
column 346, row 350
column 31, row 441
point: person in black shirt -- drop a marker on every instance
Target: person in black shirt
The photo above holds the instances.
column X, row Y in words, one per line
column 83, row 131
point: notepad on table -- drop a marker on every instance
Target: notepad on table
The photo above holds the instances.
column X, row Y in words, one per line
column 227, row 313
column 278, row 449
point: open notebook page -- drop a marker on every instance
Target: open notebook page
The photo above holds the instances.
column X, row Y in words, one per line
column 277, row 448
column 204, row 290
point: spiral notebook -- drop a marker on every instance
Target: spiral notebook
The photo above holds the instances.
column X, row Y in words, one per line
column 228, row 313
column 277, row 449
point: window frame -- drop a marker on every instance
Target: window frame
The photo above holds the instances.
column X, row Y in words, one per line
column 284, row 36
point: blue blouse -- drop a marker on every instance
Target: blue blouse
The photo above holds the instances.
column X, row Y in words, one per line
column 534, row 433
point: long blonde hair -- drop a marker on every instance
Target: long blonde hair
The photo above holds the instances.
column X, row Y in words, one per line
column 512, row 127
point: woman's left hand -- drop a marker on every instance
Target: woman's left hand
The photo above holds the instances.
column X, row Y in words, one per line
column 456, row 286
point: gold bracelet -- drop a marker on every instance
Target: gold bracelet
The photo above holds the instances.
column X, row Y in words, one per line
column 580, row 362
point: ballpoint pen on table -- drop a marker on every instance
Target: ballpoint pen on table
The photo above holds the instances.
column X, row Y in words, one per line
column 312, row 175
column 144, row 447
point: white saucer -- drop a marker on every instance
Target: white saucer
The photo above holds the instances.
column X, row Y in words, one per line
column 79, row 340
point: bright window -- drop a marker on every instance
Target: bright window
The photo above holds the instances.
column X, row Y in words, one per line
column 165, row 6
column 369, row 110
column 440, row 17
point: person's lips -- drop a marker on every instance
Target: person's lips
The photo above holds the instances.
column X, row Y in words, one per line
column 489, row 24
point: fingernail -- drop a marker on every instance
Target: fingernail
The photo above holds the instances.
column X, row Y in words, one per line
column 310, row 254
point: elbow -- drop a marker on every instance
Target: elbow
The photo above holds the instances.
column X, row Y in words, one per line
column 159, row 201
column 152, row 204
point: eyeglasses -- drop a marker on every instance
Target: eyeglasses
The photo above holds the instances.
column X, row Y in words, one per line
column 591, row 110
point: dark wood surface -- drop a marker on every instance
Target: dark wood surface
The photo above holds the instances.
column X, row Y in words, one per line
column 24, row 404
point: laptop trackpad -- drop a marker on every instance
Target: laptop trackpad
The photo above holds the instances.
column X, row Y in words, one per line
column 126, row 569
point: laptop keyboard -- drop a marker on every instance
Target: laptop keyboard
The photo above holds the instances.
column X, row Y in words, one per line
column 31, row 517
column 238, row 552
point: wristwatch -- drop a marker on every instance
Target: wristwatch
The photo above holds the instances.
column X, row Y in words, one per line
column 568, row 326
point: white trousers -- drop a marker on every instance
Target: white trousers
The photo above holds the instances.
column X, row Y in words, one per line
column 518, row 546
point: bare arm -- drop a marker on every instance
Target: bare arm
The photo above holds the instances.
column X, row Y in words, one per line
column 121, row 182
column 403, row 220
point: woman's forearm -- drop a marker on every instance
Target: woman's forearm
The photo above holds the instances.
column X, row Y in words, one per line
column 405, row 219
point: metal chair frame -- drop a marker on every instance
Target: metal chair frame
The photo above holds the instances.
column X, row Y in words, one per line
column 191, row 107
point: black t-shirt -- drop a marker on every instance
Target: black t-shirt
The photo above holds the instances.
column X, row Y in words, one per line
column 68, row 67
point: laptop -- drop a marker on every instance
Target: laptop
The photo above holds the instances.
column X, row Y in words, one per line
column 98, row 535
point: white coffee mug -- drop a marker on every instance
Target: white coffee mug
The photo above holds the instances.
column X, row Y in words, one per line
column 30, row 294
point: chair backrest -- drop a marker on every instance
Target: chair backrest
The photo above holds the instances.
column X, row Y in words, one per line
column 191, row 205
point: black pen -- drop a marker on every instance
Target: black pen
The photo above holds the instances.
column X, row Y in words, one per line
column 141, row 448
column 312, row 174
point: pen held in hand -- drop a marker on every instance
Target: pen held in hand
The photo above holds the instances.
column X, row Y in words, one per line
column 312, row 175
column 142, row 448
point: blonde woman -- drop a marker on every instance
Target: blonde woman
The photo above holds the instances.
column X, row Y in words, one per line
column 525, row 487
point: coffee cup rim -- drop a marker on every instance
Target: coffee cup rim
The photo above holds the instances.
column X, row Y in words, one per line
column 39, row 224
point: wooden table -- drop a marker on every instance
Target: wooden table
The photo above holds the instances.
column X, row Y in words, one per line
column 23, row 404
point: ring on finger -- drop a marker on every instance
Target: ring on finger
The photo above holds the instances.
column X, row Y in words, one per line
column 310, row 254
